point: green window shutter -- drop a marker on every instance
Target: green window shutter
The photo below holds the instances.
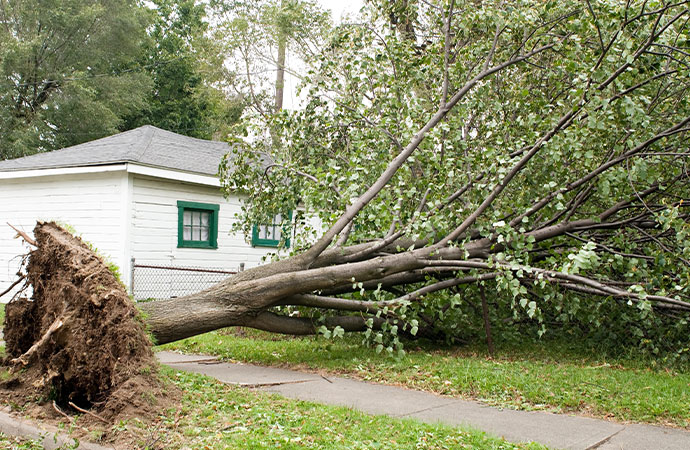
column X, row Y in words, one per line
column 197, row 225
column 266, row 235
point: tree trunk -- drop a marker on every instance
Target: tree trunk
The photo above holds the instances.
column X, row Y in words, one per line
column 280, row 69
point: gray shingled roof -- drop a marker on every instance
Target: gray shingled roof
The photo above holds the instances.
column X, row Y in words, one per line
column 146, row 145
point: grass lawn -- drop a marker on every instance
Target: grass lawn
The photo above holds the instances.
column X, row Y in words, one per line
column 533, row 376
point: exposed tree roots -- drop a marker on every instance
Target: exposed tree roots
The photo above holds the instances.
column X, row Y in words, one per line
column 78, row 341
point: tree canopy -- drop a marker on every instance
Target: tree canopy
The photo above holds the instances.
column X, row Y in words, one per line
column 250, row 33
column 187, row 69
column 65, row 71
column 535, row 149
column 76, row 70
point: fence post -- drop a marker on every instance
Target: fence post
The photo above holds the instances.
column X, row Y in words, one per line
column 131, row 276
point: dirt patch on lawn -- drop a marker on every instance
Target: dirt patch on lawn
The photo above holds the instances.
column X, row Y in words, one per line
column 78, row 344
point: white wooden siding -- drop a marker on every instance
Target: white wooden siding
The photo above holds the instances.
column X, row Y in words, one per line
column 154, row 227
column 124, row 215
column 91, row 203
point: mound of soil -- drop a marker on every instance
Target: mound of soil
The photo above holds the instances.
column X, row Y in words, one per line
column 78, row 341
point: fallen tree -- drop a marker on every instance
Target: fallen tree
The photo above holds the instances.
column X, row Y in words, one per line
column 538, row 150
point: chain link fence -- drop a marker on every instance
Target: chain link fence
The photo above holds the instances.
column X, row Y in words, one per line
column 161, row 282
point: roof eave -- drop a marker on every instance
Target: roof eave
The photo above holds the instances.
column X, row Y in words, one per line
column 114, row 166
column 173, row 174
column 67, row 170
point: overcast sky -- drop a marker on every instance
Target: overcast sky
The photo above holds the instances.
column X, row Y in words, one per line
column 340, row 7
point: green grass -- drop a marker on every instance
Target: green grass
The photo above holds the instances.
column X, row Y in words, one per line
column 548, row 376
column 217, row 416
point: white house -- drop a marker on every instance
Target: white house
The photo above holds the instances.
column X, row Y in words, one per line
column 146, row 194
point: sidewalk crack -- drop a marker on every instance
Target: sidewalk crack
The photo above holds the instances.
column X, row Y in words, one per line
column 194, row 361
column 603, row 441
column 274, row 383
column 425, row 409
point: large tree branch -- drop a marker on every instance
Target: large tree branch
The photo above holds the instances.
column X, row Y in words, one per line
column 372, row 307
column 675, row 129
column 310, row 255
column 560, row 277
column 498, row 189
column 300, row 326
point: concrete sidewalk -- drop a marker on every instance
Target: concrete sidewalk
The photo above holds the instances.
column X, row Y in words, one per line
column 553, row 430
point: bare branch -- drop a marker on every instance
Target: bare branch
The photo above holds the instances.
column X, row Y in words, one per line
column 441, row 285
column 675, row 129
column 345, row 234
column 663, row 247
column 596, row 24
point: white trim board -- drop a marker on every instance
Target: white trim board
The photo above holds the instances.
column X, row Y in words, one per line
column 138, row 169
column 9, row 175
column 176, row 175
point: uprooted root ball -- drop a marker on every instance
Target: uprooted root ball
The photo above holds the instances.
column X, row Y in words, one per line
column 78, row 340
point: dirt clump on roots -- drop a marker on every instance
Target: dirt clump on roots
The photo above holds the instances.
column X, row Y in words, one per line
column 78, row 343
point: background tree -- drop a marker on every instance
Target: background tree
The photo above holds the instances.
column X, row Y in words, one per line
column 187, row 71
column 66, row 73
column 252, row 34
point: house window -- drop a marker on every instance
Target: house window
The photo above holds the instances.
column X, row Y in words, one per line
column 271, row 235
column 197, row 225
